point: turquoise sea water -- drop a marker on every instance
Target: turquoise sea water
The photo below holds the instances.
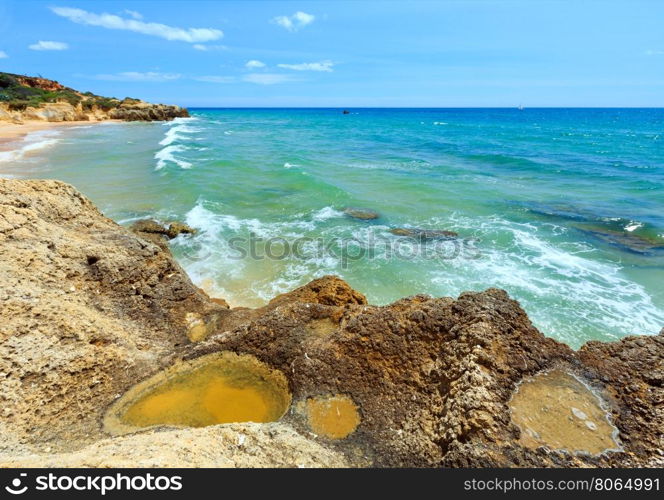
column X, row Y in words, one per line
column 564, row 208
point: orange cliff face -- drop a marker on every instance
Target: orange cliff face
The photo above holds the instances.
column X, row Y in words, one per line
column 37, row 82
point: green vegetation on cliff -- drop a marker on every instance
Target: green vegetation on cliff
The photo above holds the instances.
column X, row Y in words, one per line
column 20, row 92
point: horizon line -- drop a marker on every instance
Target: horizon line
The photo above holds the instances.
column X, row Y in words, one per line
column 425, row 107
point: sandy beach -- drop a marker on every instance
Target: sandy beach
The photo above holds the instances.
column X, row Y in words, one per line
column 10, row 133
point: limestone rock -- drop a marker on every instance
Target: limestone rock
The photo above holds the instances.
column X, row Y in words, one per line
column 432, row 378
column 135, row 110
column 177, row 228
column 157, row 233
column 233, row 445
column 89, row 308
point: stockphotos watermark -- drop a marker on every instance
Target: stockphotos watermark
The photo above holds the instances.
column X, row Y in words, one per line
column 101, row 484
column 343, row 249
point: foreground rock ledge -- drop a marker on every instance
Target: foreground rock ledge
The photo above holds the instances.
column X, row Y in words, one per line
column 90, row 308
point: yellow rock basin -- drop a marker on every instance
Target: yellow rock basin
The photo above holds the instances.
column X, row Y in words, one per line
column 333, row 417
column 557, row 410
column 214, row 389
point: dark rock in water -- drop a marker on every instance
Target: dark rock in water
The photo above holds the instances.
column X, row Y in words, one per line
column 566, row 212
column 158, row 233
column 153, row 227
column 346, row 112
column 148, row 226
column 177, row 228
column 424, row 234
column 620, row 232
column 361, row 213
column 626, row 241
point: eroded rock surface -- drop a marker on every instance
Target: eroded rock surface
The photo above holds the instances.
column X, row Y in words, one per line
column 89, row 309
column 433, row 378
column 236, row 445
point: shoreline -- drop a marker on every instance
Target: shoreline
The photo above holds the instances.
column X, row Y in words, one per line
column 13, row 133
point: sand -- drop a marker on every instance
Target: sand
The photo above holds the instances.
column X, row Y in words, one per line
column 10, row 133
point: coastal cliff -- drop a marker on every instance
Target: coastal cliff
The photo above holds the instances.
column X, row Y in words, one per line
column 24, row 98
column 90, row 308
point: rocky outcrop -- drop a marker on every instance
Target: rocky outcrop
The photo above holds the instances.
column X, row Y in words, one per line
column 135, row 110
column 433, row 378
column 159, row 233
column 89, row 309
column 66, row 112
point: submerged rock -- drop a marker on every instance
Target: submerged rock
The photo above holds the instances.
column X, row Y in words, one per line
column 627, row 241
column 620, row 232
column 361, row 213
column 424, row 234
column 90, row 309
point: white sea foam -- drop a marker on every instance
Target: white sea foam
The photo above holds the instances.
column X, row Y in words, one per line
column 32, row 142
column 289, row 165
column 582, row 294
column 178, row 130
column 177, row 134
column 180, row 120
column 633, row 226
column 165, row 156
column 326, row 213
column 568, row 291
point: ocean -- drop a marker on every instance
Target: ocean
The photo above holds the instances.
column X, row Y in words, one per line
column 563, row 208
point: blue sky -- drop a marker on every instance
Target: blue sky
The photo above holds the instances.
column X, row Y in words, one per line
column 345, row 53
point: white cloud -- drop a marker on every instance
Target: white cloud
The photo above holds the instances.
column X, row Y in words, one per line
column 113, row 22
column 133, row 13
column 207, row 48
column 135, row 76
column 295, row 22
column 655, row 52
column 313, row 66
column 215, row 79
column 3, row 54
column 48, row 45
column 267, row 78
column 254, row 64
